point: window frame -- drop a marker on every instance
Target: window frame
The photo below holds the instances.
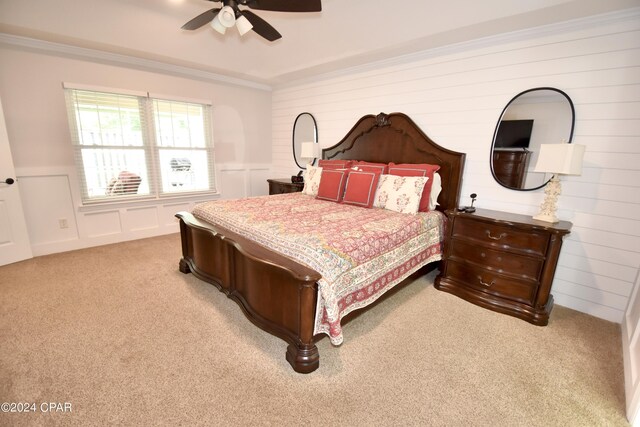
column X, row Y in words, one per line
column 150, row 146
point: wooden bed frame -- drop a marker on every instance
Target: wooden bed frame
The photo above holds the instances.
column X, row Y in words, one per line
column 275, row 292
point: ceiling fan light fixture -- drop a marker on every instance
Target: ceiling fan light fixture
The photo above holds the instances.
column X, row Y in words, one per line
column 243, row 25
column 227, row 16
column 245, row 20
column 217, row 25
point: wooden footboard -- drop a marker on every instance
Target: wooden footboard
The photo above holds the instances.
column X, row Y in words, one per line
column 276, row 293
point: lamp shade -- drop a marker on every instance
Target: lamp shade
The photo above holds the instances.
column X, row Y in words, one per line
column 565, row 159
column 216, row 25
column 309, row 150
column 227, row 16
column 243, row 25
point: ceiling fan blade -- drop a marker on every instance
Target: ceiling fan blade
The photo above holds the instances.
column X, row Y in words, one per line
column 261, row 26
column 285, row 5
column 202, row 19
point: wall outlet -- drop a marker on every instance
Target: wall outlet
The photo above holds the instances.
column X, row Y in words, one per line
column 63, row 223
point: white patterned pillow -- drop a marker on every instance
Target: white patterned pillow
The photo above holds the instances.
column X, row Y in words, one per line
column 312, row 180
column 400, row 193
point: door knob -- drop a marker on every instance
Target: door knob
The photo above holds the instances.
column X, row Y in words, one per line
column 9, row 181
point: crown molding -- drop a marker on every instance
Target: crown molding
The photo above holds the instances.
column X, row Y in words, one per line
column 125, row 60
column 482, row 42
column 290, row 80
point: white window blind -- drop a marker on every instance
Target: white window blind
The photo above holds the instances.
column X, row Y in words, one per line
column 182, row 133
column 129, row 147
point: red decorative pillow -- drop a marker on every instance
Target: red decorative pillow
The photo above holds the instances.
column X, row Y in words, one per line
column 332, row 183
column 334, row 164
column 371, row 167
column 361, row 188
column 417, row 169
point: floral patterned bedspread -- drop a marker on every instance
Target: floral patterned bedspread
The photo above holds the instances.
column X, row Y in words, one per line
column 360, row 253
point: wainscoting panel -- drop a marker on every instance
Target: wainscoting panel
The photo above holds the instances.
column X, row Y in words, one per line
column 167, row 214
column 233, row 183
column 58, row 222
column 47, row 201
column 140, row 219
column 5, row 232
column 258, row 185
column 102, row 224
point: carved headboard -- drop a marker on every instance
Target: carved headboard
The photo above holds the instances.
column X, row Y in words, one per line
column 396, row 138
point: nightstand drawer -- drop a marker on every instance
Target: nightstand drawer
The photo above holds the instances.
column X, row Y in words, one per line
column 500, row 261
column 279, row 189
column 501, row 235
column 493, row 283
column 281, row 186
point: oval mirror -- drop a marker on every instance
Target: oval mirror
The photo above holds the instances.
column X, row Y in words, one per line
column 304, row 130
column 536, row 116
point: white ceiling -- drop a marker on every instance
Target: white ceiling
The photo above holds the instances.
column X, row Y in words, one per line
column 346, row 33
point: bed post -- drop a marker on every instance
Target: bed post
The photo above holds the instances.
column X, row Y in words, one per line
column 303, row 355
column 303, row 358
column 183, row 266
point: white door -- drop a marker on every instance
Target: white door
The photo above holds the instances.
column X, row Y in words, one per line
column 14, row 239
column 631, row 350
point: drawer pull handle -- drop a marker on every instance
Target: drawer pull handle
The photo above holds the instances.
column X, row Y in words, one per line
column 494, row 237
column 485, row 284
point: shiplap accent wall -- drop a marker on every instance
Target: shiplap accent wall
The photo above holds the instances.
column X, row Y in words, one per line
column 456, row 95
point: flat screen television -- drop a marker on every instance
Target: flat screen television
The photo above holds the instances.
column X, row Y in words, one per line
column 514, row 134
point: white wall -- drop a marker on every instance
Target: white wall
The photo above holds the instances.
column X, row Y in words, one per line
column 456, row 96
column 31, row 85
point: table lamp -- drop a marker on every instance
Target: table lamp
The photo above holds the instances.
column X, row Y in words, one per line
column 310, row 150
column 558, row 159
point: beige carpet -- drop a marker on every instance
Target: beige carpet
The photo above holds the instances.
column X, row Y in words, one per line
column 124, row 338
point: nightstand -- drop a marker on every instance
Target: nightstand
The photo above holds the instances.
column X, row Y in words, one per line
column 502, row 261
column 279, row 186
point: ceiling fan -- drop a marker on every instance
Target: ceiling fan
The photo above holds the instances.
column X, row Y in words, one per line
column 230, row 14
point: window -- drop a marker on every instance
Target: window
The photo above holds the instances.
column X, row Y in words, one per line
column 130, row 146
column 182, row 135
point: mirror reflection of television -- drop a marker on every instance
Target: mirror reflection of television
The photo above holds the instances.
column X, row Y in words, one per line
column 514, row 134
